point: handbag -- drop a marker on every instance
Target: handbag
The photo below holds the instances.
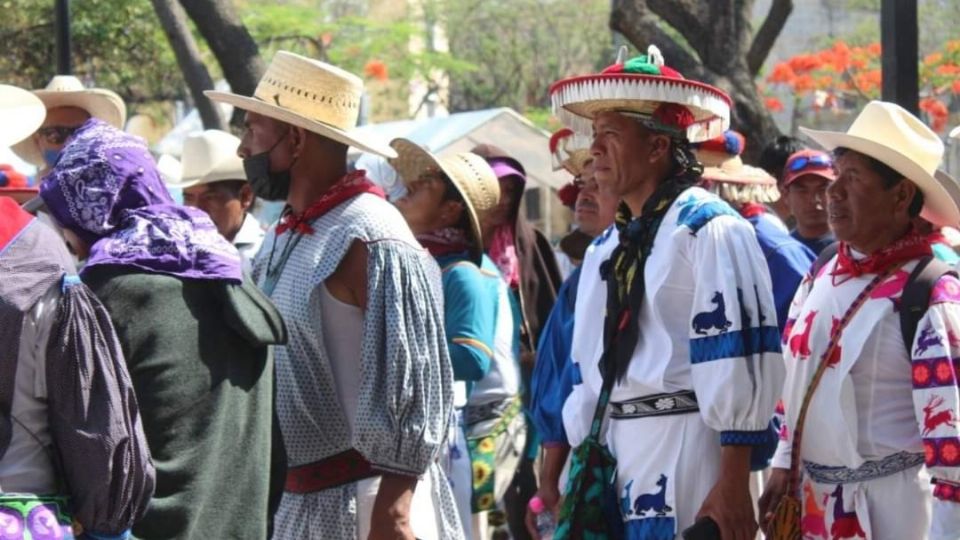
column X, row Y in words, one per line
column 590, row 508
column 785, row 524
column 28, row 515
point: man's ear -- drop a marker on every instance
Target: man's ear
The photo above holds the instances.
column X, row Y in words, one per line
column 659, row 147
column 299, row 139
column 246, row 196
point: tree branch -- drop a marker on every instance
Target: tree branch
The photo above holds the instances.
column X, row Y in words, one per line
column 767, row 35
column 686, row 17
column 641, row 29
column 173, row 20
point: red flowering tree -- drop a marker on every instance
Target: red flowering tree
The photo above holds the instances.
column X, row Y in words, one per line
column 842, row 78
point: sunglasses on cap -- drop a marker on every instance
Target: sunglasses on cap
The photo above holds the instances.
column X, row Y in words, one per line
column 802, row 162
column 57, row 134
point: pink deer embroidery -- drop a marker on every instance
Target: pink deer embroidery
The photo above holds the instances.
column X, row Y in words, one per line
column 800, row 343
column 845, row 524
column 932, row 420
column 813, row 524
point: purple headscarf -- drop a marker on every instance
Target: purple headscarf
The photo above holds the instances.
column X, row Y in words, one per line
column 106, row 189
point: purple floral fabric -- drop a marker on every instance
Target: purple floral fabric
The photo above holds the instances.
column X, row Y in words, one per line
column 106, row 189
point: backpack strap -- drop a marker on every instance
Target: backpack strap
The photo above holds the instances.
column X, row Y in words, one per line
column 916, row 296
column 823, row 258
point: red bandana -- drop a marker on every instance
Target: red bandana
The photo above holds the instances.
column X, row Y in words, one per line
column 912, row 246
column 750, row 210
column 13, row 221
column 349, row 186
column 444, row 241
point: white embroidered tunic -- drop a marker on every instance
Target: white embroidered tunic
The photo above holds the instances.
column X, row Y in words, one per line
column 875, row 407
column 707, row 324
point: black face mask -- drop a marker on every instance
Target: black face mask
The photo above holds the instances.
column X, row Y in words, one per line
column 268, row 185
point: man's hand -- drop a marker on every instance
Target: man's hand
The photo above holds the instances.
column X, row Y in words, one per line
column 775, row 489
column 390, row 519
column 729, row 501
column 554, row 458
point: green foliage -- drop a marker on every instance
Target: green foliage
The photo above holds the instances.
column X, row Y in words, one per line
column 522, row 47
column 117, row 44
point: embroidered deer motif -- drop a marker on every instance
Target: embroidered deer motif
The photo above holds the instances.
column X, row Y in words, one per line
column 713, row 319
column 932, row 420
column 835, row 354
column 814, row 523
column 653, row 501
column 845, row 524
column 928, row 338
column 800, row 343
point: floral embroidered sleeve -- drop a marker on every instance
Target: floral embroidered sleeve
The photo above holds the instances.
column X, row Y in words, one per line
column 734, row 340
column 936, row 401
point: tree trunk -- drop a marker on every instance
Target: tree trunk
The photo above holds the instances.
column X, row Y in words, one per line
column 236, row 51
column 174, row 22
column 720, row 49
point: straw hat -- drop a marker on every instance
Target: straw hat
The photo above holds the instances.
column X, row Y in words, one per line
column 470, row 174
column 209, row 156
column 68, row 91
column 21, row 113
column 312, row 95
column 893, row 136
column 738, row 182
column 644, row 85
column 570, row 151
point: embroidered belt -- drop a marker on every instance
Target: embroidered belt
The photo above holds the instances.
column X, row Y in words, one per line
column 655, row 405
column 871, row 470
column 474, row 414
column 337, row 470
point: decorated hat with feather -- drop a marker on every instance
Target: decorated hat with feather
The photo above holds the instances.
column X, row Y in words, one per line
column 646, row 87
column 725, row 173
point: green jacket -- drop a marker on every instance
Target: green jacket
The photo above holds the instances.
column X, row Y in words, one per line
column 198, row 353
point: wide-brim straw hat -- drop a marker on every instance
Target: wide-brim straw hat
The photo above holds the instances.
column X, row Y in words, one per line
column 893, row 136
column 68, row 91
column 640, row 85
column 469, row 173
column 22, row 113
column 741, row 183
column 209, row 156
column 310, row 94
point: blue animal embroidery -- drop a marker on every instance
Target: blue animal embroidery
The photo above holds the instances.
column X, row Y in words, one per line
column 653, row 501
column 713, row 319
column 928, row 338
column 626, row 500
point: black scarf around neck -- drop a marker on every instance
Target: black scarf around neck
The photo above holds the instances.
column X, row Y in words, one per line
column 624, row 270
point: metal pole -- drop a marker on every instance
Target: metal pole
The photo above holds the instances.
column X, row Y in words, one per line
column 899, row 36
column 62, row 18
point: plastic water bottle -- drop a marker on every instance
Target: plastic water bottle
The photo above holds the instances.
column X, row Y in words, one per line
column 545, row 523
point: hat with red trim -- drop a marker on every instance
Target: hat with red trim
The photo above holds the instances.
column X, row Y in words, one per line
column 645, row 87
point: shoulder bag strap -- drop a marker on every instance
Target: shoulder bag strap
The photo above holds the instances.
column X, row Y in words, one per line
column 860, row 300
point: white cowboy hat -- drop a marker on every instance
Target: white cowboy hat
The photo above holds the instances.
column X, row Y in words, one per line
column 893, row 136
column 310, row 94
column 21, row 113
column 169, row 168
column 209, row 156
column 68, row 91
column 470, row 174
